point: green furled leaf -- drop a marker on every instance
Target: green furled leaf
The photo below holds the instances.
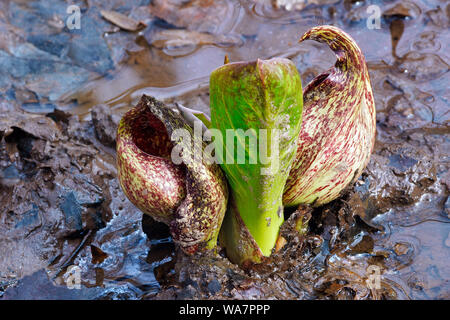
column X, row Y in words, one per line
column 257, row 107
column 191, row 116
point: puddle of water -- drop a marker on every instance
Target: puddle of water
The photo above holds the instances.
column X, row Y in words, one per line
column 408, row 190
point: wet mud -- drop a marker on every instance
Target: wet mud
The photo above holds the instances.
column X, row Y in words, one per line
column 62, row 93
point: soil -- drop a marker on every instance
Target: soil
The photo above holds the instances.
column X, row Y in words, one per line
column 63, row 92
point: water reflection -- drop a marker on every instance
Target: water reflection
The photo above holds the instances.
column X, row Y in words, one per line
column 403, row 211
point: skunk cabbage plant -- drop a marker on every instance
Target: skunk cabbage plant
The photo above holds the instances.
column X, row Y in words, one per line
column 276, row 144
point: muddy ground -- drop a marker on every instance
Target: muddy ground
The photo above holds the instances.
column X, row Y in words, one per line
column 62, row 93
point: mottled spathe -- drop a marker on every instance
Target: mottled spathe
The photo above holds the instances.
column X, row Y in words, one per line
column 190, row 197
column 338, row 129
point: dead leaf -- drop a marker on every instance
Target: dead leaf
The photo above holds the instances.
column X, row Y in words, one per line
column 198, row 15
column 37, row 125
column 98, row 255
column 122, row 21
column 403, row 10
column 180, row 38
